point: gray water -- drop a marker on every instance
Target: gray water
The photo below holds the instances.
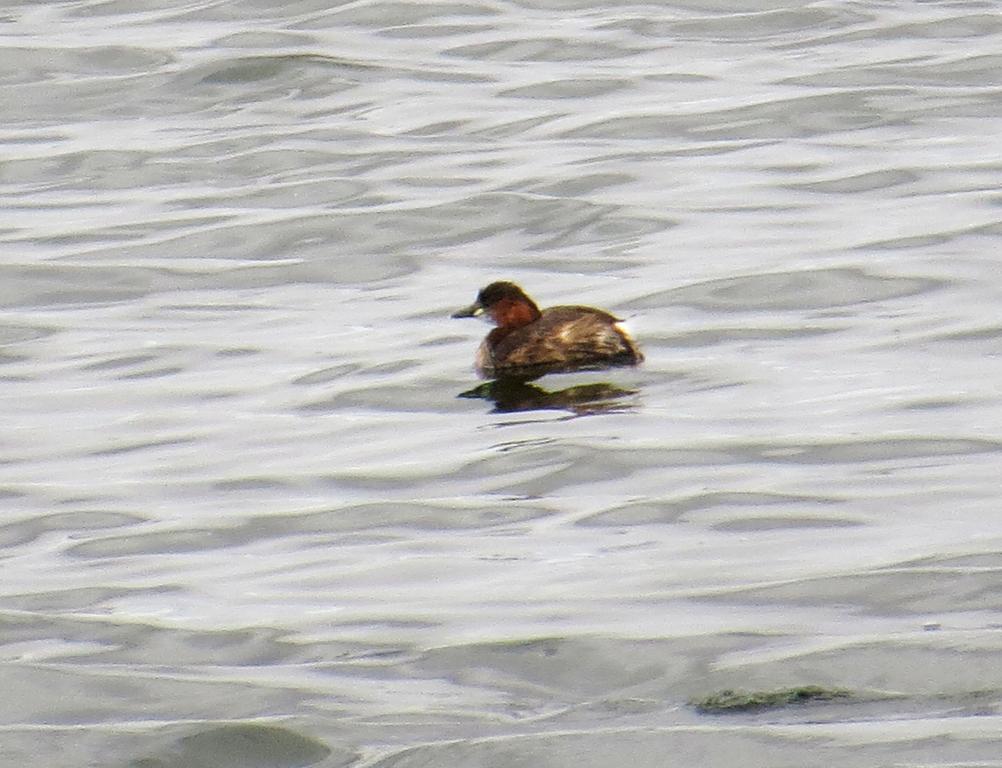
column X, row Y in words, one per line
column 248, row 519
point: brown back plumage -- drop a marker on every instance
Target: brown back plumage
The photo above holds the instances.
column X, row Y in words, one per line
column 564, row 338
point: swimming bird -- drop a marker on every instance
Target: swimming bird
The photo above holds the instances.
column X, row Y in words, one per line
column 528, row 342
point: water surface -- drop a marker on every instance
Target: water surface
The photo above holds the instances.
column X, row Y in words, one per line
column 249, row 519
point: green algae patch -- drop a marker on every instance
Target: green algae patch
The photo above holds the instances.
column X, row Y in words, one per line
column 728, row 701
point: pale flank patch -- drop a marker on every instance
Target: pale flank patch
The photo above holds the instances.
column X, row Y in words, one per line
column 626, row 326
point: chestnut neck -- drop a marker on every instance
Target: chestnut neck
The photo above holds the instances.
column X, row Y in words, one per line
column 511, row 313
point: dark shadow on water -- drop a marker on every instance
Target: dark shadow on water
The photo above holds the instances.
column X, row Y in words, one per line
column 240, row 745
column 513, row 395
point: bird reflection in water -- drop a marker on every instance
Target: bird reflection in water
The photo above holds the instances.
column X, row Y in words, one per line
column 513, row 395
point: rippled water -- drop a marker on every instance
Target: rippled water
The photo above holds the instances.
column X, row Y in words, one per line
column 257, row 511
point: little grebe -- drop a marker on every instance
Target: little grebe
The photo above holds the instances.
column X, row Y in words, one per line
column 528, row 343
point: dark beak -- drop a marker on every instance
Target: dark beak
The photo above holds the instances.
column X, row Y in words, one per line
column 474, row 310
